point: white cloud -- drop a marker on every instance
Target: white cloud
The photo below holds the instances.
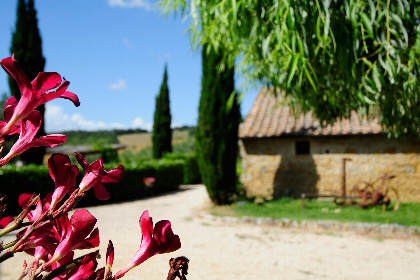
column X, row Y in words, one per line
column 56, row 120
column 142, row 4
column 120, row 85
column 139, row 123
column 127, row 42
column 164, row 57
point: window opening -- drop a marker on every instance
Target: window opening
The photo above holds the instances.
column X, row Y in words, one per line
column 302, row 148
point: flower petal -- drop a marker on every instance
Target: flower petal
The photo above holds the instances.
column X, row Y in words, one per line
column 91, row 242
column 64, row 175
column 87, row 267
column 72, row 97
column 101, row 192
column 5, row 221
column 114, row 175
column 146, row 225
column 45, row 81
column 12, row 68
column 44, row 98
column 82, row 161
column 166, row 240
column 83, row 223
column 57, row 164
column 24, row 199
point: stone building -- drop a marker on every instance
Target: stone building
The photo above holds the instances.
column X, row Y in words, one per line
column 284, row 155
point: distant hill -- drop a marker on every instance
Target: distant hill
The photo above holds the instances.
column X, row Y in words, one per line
column 80, row 137
column 140, row 137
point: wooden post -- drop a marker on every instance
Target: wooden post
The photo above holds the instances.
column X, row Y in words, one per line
column 344, row 176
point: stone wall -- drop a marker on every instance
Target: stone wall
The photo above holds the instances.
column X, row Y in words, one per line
column 271, row 168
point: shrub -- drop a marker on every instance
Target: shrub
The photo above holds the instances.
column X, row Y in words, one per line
column 191, row 172
column 169, row 175
column 108, row 154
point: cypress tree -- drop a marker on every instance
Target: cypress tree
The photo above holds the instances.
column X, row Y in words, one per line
column 27, row 47
column 217, row 129
column 162, row 132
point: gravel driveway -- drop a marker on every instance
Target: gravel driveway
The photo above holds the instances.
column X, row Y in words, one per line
column 244, row 251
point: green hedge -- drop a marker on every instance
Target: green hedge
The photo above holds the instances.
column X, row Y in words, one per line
column 191, row 172
column 169, row 175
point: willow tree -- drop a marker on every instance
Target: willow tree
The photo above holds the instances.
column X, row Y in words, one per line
column 331, row 57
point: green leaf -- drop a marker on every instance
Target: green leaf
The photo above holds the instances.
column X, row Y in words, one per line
column 369, row 101
column 300, row 45
column 372, row 10
column 401, row 6
column 234, row 11
column 401, row 108
column 318, row 28
column 367, row 62
column 391, row 67
column 366, row 86
column 367, row 23
column 308, row 76
column 376, row 78
column 327, row 22
column 265, row 44
column 293, row 68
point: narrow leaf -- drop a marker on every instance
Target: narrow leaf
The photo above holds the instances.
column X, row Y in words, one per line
column 293, row 68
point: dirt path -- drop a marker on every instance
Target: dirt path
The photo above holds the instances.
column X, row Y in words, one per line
column 245, row 251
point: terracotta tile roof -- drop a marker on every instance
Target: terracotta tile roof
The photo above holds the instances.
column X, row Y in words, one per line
column 268, row 118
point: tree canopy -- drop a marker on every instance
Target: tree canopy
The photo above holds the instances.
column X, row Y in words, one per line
column 162, row 132
column 331, row 56
column 217, row 129
column 27, row 48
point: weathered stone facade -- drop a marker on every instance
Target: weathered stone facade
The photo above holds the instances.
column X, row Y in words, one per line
column 271, row 168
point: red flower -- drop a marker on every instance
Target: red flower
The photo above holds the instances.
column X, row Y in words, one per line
column 94, row 175
column 36, row 93
column 42, row 236
column 149, row 181
column 77, row 237
column 41, row 207
column 29, row 128
column 86, row 270
column 64, row 175
column 8, row 112
column 5, row 221
column 162, row 240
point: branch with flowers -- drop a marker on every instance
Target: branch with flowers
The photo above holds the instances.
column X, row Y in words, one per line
column 43, row 228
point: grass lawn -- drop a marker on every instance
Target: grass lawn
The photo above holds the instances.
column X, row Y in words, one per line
column 408, row 213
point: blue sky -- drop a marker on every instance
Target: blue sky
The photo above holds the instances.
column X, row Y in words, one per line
column 113, row 52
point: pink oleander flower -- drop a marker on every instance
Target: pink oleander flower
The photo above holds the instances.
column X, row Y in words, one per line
column 158, row 240
column 5, row 221
column 149, row 181
column 77, row 237
column 29, row 128
column 64, row 175
column 8, row 112
column 94, row 175
column 39, row 253
column 41, row 207
column 109, row 260
column 41, row 237
column 85, row 271
column 34, row 93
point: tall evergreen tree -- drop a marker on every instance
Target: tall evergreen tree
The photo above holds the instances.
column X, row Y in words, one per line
column 217, row 129
column 27, row 47
column 162, row 132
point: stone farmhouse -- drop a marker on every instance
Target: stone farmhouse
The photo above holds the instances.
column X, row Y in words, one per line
column 284, row 155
